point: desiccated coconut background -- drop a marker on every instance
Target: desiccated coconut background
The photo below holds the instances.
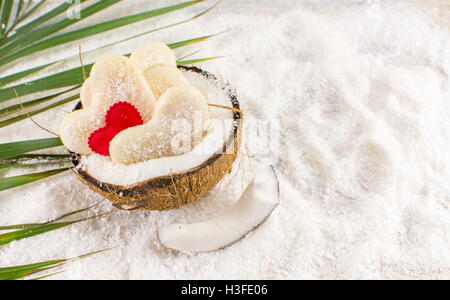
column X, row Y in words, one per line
column 362, row 93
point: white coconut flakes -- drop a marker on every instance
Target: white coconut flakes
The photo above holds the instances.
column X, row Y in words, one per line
column 362, row 96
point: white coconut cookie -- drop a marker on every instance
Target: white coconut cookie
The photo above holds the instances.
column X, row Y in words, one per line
column 86, row 93
column 153, row 53
column 114, row 78
column 159, row 65
column 180, row 119
column 161, row 78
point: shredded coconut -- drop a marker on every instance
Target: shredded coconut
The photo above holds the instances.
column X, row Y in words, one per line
column 361, row 92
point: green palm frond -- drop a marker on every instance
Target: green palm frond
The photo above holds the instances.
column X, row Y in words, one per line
column 198, row 60
column 31, row 44
column 20, row 107
column 31, row 225
column 20, row 75
column 23, row 231
column 6, row 10
column 22, row 40
column 13, row 155
column 23, row 271
column 22, row 14
column 9, row 150
column 21, row 234
column 7, row 183
column 45, row 276
column 33, row 160
column 19, row 272
column 64, row 79
column 37, row 111
column 70, row 77
column 36, row 23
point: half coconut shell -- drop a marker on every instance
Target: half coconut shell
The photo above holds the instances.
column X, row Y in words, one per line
column 173, row 190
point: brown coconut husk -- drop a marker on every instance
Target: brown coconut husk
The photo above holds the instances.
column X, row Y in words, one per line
column 174, row 190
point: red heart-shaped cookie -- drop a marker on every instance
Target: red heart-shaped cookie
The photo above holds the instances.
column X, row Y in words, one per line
column 120, row 116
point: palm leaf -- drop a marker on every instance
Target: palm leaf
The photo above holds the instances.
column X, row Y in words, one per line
column 27, row 115
column 17, row 148
column 93, row 30
column 16, row 181
column 24, row 30
column 15, row 275
column 19, row 9
column 45, row 276
column 38, row 34
column 19, row 75
column 37, row 111
column 14, row 77
column 41, row 229
column 69, row 77
column 196, row 61
column 7, row 7
column 190, row 41
column 29, row 232
column 24, row 268
column 31, row 225
column 5, row 112
column 25, row 15
column 165, row 27
column 80, row 33
column 188, row 55
column 18, row 272
column 32, row 160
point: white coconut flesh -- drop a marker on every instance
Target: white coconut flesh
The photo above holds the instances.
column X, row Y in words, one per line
column 221, row 126
column 255, row 205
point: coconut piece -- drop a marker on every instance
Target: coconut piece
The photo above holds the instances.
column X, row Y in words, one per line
column 153, row 53
column 256, row 204
column 161, row 78
column 173, row 130
column 114, row 78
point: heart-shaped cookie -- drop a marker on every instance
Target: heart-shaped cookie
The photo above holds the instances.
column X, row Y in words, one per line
column 120, row 116
column 158, row 63
column 153, row 53
column 114, row 78
column 181, row 114
column 119, row 101
column 161, row 78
